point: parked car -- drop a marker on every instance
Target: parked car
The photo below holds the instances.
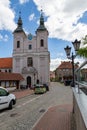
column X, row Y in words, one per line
column 47, row 88
column 67, row 82
column 39, row 89
column 7, row 100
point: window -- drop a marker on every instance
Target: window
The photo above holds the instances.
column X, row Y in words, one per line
column 5, row 70
column 9, row 71
column 30, row 47
column 0, row 70
column 29, row 61
column 18, row 44
column 41, row 42
column 3, row 92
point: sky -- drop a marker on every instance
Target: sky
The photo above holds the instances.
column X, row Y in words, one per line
column 65, row 20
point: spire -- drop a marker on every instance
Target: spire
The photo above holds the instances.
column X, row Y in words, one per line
column 19, row 24
column 41, row 19
column 41, row 26
column 19, row 21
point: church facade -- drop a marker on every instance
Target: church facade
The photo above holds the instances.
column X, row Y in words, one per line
column 31, row 57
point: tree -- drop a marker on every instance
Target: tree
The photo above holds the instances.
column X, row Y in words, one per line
column 83, row 51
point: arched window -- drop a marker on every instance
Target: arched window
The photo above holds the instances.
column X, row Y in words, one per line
column 29, row 61
column 18, row 44
column 41, row 42
column 30, row 47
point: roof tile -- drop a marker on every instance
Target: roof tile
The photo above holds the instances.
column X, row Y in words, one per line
column 6, row 62
column 66, row 65
column 10, row 76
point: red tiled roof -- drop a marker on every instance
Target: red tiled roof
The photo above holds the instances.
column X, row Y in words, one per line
column 6, row 62
column 65, row 65
column 4, row 76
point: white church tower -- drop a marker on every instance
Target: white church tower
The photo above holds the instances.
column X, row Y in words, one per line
column 31, row 57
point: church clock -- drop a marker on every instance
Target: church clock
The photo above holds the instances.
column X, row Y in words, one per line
column 30, row 36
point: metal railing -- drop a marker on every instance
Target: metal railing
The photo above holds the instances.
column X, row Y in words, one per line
column 81, row 76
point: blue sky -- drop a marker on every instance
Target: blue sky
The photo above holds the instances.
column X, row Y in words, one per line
column 66, row 20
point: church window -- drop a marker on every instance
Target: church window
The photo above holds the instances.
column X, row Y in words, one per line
column 29, row 61
column 30, row 47
column 18, row 44
column 41, row 42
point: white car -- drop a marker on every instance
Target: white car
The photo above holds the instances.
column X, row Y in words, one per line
column 7, row 100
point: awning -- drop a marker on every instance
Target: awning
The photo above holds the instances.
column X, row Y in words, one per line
column 5, row 76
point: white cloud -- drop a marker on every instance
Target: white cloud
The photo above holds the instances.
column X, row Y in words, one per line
column 6, row 16
column 32, row 17
column 63, row 18
column 54, row 63
column 4, row 38
column 1, row 37
column 60, row 54
column 23, row 1
column 57, row 61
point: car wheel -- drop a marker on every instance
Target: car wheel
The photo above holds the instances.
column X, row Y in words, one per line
column 11, row 104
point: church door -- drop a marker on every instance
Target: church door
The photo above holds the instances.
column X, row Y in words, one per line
column 29, row 81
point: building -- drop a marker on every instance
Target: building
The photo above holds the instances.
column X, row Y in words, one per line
column 64, row 71
column 83, row 74
column 52, row 74
column 10, row 79
column 7, row 78
column 30, row 57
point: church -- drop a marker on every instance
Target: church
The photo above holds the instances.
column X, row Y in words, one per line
column 30, row 58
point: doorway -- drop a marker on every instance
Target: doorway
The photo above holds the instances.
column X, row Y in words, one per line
column 29, row 81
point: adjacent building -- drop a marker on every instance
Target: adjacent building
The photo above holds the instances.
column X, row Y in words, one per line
column 64, row 71
column 52, row 75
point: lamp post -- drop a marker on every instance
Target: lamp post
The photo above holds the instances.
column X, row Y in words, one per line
column 76, row 45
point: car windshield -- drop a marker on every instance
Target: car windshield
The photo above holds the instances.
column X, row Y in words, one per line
column 39, row 86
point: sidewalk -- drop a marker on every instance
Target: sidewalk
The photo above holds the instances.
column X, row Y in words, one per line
column 56, row 118
column 22, row 93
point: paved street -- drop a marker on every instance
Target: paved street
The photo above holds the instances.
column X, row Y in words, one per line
column 30, row 109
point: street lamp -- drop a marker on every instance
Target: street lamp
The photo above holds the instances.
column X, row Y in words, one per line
column 76, row 45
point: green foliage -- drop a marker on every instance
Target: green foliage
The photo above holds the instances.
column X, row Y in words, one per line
column 82, row 52
column 84, row 40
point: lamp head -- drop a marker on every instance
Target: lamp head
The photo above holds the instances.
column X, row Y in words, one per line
column 67, row 50
column 76, row 45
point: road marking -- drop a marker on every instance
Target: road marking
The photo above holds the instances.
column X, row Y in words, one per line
column 19, row 106
column 39, row 119
column 27, row 102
